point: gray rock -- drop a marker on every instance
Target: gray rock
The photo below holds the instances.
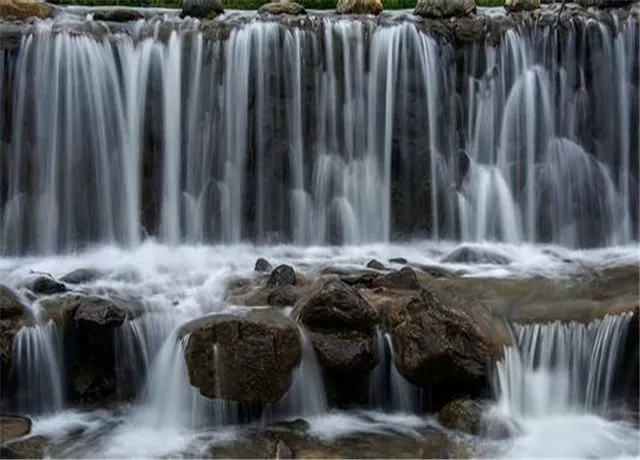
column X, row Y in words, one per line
column 202, row 9
column 375, row 264
column 82, row 276
column 47, row 286
column 475, row 255
column 444, row 8
column 282, row 275
column 262, row 266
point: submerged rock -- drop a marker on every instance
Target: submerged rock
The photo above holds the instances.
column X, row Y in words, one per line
column 247, row 359
column 47, row 286
column 277, row 8
column 341, row 327
column 202, row 9
column 444, row 8
column 359, row 6
column 445, row 342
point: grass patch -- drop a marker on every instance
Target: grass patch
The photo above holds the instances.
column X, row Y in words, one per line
column 250, row 4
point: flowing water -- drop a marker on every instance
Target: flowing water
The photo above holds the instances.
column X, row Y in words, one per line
column 169, row 155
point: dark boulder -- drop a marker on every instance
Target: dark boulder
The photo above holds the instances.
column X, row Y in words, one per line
column 248, row 359
column 82, row 276
column 10, row 304
column 117, row 15
column 375, row 265
column 437, row 9
column 404, row 279
column 475, row 255
column 202, row 9
column 262, row 266
column 282, row 275
column 341, row 327
column 47, row 286
column 445, row 342
column 283, row 296
column 398, row 260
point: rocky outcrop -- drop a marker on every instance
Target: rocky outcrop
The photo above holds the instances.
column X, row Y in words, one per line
column 282, row 7
column 359, row 6
column 248, row 359
column 341, row 327
column 12, row 10
column 202, row 9
column 521, row 5
column 89, row 326
column 444, row 8
column 445, row 342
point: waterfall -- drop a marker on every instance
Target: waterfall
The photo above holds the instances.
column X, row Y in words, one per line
column 560, row 368
column 36, row 354
column 255, row 133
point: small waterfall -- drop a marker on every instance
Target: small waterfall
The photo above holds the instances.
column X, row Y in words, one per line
column 306, row 396
column 405, row 397
column 36, row 358
column 560, row 368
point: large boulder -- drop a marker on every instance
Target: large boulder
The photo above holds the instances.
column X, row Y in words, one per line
column 12, row 10
column 47, row 286
column 359, row 6
column 13, row 426
column 277, row 8
column 341, row 327
column 202, row 9
column 10, row 304
column 249, row 359
column 444, row 8
column 89, row 328
column 445, row 342
column 521, row 5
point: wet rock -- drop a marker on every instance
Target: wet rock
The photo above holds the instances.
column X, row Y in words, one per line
column 398, row 260
column 444, row 8
column 404, row 279
column 462, row 415
column 89, row 327
column 262, row 266
column 10, row 304
column 283, row 296
column 82, row 276
column 432, row 270
column 475, row 255
column 445, row 342
column 13, row 316
column 247, row 359
column 117, row 15
column 202, row 9
column 13, row 426
column 364, row 280
column 29, row 448
column 12, row 10
column 277, row 8
column 282, row 275
column 341, row 327
column 47, row 286
column 359, row 6
column 521, row 5
column 375, row 265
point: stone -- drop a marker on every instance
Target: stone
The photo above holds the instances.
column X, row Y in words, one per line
column 282, row 275
column 404, row 279
column 375, row 265
column 10, row 304
column 29, row 448
column 398, row 260
column 13, row 426
column 89, row 325
column 277, row 8
column 521, row 5
column 248, row 359
column 359, row 6
column 118, row 15
column 446, row 342
column 475, row 255
column 47, row 286
column 463, row 415
column 262, row 266
column 437, row 9
column 201, row 9
column 282, row 296
column 341, row 327
column 12, row 10
column 82, row 276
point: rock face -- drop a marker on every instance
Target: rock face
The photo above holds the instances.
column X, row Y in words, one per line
column 282, row 8
column 202, row 9
column 248, row 359
column 12, row 10
column 359, row 6
column 13, row 316
column 521, row 5
column 444, row 8
column 89, row 325
column 444, row 342
column 341, row 327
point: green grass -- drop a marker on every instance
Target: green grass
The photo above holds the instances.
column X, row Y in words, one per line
column 250, row 4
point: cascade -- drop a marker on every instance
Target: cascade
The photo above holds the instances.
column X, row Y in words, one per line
column 561, row 368
column 343, row 131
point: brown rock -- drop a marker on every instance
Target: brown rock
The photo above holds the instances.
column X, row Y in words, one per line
column 31, row 447
column 12, row 427
column 247, row 359
column 12, row 10
column 359, row 6
column 10, row 304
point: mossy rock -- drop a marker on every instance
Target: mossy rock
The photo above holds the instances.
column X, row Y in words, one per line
column 12, row 10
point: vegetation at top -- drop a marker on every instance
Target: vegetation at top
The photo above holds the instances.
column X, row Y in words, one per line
column 250, row 4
